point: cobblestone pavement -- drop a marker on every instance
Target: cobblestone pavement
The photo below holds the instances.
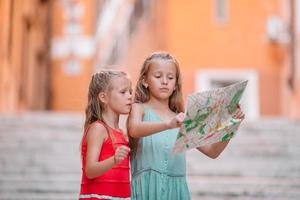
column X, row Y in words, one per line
column 40, row 160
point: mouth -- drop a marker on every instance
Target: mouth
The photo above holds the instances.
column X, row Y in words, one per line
column 164, row 89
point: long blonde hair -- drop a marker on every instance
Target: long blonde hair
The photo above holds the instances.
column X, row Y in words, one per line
column 142, row 94
column 100, row 82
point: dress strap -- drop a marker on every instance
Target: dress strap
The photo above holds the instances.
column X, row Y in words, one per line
column 108, row 132
column 105, row 126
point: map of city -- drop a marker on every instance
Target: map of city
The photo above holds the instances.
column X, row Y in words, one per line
column 209, row 117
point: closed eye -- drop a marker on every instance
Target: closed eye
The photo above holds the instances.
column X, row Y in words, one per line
column 125, row 91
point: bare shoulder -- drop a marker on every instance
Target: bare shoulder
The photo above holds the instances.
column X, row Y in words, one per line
column 136, row 113
column 137, row 108
column 96, row 131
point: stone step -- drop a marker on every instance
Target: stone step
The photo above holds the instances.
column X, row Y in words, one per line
column 39, row 196
column 40, row 159
column 40, row 186
column 228, row 187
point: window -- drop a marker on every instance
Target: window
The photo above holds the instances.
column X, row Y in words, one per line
column 209, row 78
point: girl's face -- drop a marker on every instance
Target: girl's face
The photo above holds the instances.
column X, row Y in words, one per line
column 161, row 79
column 120, row 95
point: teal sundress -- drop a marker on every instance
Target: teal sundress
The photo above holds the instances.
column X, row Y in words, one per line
column 155, row 172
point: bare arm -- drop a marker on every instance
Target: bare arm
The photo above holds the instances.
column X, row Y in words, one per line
column 138, row 128
column 95, row 137
column 214, row 150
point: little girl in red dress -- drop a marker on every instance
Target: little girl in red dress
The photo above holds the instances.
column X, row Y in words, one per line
column 104, row 148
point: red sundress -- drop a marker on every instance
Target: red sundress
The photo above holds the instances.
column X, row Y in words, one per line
column 114, row 183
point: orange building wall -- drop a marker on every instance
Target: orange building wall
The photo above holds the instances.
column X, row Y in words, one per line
column 239, row 43
column 293, row 107
column 147, row 38
column 23, row 55
column 69, row 91
column 7, row 88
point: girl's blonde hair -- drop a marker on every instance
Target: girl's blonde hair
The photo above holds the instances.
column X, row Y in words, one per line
column 142, row 94
column 100, row 82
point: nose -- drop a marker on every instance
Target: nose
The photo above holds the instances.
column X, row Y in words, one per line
column 130, row 96
column 164, row 80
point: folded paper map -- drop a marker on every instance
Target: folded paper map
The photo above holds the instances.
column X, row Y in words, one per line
column 209, row 117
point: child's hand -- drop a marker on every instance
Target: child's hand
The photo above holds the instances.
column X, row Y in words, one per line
column 121, row 153
column 238, row 113
column 176, row 121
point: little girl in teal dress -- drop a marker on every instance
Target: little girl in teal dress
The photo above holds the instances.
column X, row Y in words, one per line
column 156, row 173
column 156, row 115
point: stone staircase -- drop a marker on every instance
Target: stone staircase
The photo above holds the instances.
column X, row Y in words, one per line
column 261, row 162
column 40, row 160
column 39, row 156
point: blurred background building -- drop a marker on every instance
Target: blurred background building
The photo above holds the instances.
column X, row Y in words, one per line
column 49, row 49
column 24, row 55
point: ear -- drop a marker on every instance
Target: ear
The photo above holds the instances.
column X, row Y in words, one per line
column 103, row 97
column 144, row 83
